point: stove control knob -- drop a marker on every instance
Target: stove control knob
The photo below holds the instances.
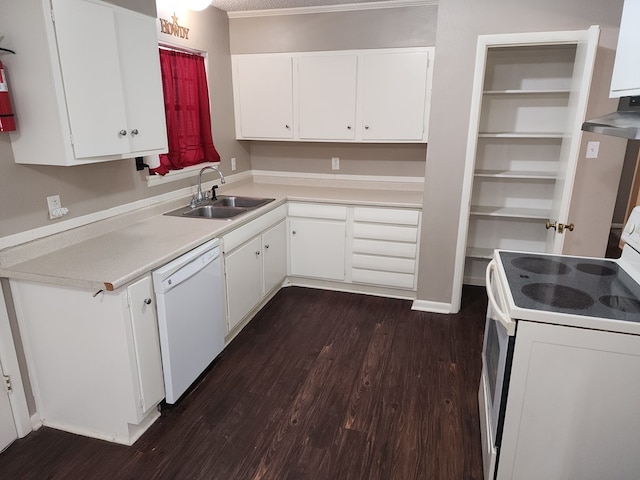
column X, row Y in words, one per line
column 631, row 227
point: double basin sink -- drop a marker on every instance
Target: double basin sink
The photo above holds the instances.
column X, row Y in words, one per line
column 223, row 207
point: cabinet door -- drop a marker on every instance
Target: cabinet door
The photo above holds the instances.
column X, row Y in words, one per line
column 89, row 60
column 263, row 90
column 274, row 261
column 317, row 248
column 327, row 96
column 394, row 96
column 146, row 342
column 244, row 280
column 626, row 69
column 141, row 82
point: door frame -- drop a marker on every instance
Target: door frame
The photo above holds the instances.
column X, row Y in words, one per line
column 10, row 366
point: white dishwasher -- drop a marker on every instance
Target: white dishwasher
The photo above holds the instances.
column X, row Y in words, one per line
column 189, row 298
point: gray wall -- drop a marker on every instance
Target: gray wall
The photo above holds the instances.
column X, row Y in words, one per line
column 91, row 188
column 459, row 24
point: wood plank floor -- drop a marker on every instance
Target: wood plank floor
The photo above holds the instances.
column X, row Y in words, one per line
column 320, row 385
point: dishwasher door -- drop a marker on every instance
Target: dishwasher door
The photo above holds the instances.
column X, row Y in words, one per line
column 190, row 302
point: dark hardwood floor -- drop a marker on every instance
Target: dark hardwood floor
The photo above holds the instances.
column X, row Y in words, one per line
column 320, row 385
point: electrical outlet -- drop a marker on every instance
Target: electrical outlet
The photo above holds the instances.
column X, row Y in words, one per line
column 233, row 164
column 56, row 210
column 53, row 202
column 335, row 163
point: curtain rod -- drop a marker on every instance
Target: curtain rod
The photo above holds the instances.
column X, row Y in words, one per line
column 174, row 48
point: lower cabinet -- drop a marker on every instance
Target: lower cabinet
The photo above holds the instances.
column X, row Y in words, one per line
column 94, row 359
column 385, row 247
column 354, row 244
column 317, row 240
column 255, row 258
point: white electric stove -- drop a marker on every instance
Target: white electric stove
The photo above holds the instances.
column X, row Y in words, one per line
column 560, row 388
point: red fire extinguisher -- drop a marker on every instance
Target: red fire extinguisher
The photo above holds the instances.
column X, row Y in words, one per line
column 7, row 120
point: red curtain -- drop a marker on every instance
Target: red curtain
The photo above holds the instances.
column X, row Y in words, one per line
column 186, row 104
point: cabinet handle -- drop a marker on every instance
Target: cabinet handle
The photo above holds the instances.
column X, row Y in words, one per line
column 122, row 133
column 287, row 127
column 293, row 232
column 348, row 127
column 147, row 301
column 257, row 252
column 366, row 127
column 134, row 132
column 266, row 246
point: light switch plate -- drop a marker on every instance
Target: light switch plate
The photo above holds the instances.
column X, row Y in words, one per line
column 592, row 149
column 335, row 163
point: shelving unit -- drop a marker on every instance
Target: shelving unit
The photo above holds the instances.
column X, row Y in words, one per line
column 521, row 142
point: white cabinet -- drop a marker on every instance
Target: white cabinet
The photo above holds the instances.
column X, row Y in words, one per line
column 379, row 95
column 529, row 100
column 385, row 247
column 86, row 85
column 263, row 96
column 572, row 406
column 317, row 240
column 395, row 100
column 94, row 359
column 626, row 68
column 255, row 263
column 327, row 97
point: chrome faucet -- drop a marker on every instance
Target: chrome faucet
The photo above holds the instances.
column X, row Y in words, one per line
column 199, row 197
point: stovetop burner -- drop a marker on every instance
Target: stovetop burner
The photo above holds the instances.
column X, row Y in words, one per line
column 559, row 296
column 571, row 285
column 541, row 265
column 595, row 269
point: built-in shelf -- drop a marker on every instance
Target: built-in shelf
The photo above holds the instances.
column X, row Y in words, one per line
column 480, row 253
column 527, row 92
column 511, row 212
column 520, row 135
column 513, row 174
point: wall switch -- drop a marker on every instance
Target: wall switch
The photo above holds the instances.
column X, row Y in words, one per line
column 592, row 149
column 335, row 163
column 56, row 210
column 233, row 164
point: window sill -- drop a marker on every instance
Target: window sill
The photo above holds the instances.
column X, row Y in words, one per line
column 176, row 175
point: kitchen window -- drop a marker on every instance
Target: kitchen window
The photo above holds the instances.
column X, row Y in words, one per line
column 186, row 103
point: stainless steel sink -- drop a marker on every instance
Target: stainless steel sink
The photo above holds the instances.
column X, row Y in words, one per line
column 242, row 202
column 224, row 207
column 213, row 211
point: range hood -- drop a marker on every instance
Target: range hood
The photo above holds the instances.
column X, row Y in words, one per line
column 623, row 123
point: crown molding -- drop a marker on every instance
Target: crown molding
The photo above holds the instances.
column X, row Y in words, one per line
column 348, row 7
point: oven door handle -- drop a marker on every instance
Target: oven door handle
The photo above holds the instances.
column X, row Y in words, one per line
column 502, row 317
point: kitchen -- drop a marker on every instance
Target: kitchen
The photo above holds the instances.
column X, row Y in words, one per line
column 85, row 191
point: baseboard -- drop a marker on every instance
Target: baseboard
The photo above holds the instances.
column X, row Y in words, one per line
column 432, row 307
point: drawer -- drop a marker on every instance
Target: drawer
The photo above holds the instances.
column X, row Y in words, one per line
column 386, row 264
column 382, row 247
column 386, row 215
column 388, row 279
column 314, row 210
column 241, row 234
column 385, row 232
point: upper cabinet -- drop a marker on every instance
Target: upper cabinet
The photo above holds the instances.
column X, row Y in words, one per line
column 626, row 69
column 345, row 96
column 265, row 107
column 94, row 92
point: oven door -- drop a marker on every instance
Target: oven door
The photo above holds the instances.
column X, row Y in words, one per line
column 497, row 352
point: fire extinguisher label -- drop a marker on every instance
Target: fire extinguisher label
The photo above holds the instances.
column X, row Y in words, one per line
column 3, row 83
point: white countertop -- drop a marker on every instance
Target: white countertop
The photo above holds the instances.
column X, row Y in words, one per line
column 113, row 259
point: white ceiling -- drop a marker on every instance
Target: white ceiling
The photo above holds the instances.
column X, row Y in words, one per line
column 240, row 5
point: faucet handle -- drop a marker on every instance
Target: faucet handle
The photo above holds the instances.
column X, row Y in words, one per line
column 213, row 192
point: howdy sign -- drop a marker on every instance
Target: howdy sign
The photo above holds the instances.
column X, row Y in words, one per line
column 173, row 28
